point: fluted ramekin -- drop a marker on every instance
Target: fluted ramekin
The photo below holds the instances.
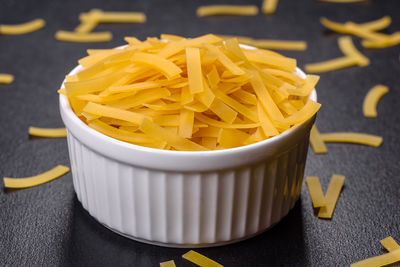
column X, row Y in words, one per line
column 186, row 199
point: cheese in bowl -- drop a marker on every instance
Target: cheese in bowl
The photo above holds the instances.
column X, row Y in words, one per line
column 188, row 142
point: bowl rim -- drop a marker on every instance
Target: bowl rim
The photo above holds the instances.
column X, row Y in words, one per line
column 82, row 131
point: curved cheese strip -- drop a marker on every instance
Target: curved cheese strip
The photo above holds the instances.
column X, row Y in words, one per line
column 240, row 10
column 221, row 124
column 392, row 40
column 377, row 25
column 381, row 260
column 309, row 109
column 36, row 180
column 27, row 27
column 48, row 132
column 331, row 196
column 390, row 244
column 269, row 6
column 316, row 141
column 355, row 138
column 6, row 78
column 348, row 48
column 371, row 100
column 199, row 259
column 83, row 37
column 315, row 191
column 170, row 263
column 174, row 140
column 169, row 69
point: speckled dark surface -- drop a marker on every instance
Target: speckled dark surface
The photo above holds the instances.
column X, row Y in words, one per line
column 47, row 226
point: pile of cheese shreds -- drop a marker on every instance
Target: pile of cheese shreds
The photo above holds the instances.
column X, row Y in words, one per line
column 195, row 94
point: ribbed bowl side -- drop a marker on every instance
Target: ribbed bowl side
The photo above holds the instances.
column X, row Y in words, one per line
column 187, row 209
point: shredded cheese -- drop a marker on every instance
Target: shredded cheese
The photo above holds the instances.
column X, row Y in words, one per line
column 6, row 78
column 189, row 94
column 116, row 17
column 371, row 100
column 390, row 244
column 315, row 191
column 269, row 6
column 83, row 38
column 270, row 44
column 240, row 10
column 36, row 180
column 200, row 259
column 352, row 58
column 170, row 263
column 47, row 132
column 331, row 196
column 27, row 27
column 316, row 141
column 355, row 138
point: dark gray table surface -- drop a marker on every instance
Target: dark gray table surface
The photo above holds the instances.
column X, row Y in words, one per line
column 47, row 226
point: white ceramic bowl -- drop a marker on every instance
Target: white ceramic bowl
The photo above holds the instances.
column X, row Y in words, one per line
column 186, row 199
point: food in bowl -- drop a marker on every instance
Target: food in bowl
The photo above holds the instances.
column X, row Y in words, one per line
column 190, row 94
column 185, row 198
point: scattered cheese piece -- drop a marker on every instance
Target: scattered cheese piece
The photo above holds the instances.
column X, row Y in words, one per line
column 371, row 100
column 48, row 132
column 381, row 260
column 316, row 141
column 390, row 244
column 315, row 191
column 118, row 17
column 27, row 27
column 35, row 180
column 170, row 263
column 240, row 10
column 349, row 137
column 269, row 44
column 331, row 196
column 352, row 58
column 84, row 38
column 200, row 259
column 269, row 6
column 6, row 78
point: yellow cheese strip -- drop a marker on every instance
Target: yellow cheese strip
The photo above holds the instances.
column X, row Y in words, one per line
column 393, row 39
column 118, row 133
column 265, row 98
column 119, row 17
column 242, row 109
column 83, row 37
column 287, row 107
column 353, row 58
column 240, row 10
column 355, row 138
column 47, row 132
column 133, row 87
column 172, row 139
column 245, row 97
column 23, row 28
column 141, row 98
column 194, row 71
column 208, row 132
column 269, row 6
column 171, row 37
column 377, row 25
column 221, row 124
column 213, row 77
column 309, row 84
column 223, row 111
column 316, row 141
column 6, row 78
column 266, row 124
column 371, row 100
column 230, row 138
column 269, row 43
column 390, row 244
column 170, row 263
column 186, row 120
column 209, row 142
column 381, row 260
column 293, row 78
column 169, row 69
column 285, row 63
column 315, row 191
column 331, row 196
column 115, row 113
column 36, row 180
column 224, row 60
column 309, row 109
column 89, row 21
column 200, row 259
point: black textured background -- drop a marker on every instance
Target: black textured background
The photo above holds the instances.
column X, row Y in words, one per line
column 47, row 226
